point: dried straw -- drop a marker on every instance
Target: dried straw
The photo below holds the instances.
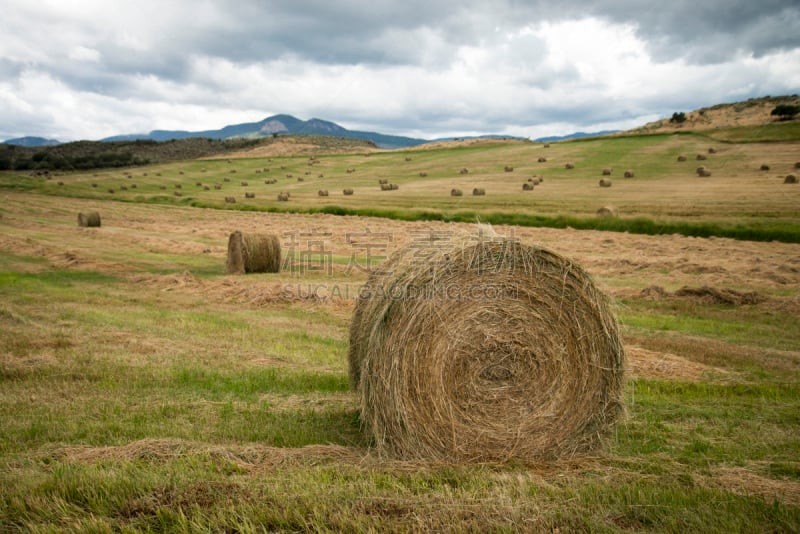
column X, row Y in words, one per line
column 485, row 349
column 91, row 218
column 253, row 253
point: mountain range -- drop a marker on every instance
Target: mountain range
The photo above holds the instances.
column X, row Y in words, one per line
column 278, row 125
column 275, row 125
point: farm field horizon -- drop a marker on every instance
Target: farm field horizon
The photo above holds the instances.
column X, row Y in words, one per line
column 143, row 388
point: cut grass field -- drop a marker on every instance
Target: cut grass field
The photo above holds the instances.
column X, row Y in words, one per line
column 143, row 389
column 738, row 200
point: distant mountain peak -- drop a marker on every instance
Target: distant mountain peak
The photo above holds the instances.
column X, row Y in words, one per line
column 31, row 141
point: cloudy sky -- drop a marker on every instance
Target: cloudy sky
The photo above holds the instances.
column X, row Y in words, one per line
column 85, row 69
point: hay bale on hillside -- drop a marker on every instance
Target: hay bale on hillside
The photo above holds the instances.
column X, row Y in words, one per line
column 230, row 200
column 89, row 219
column 712, row 150
column 283, row 197
column 162, row 187
column 456, row 192
column 606, row 171
column 508, row 168
column 423, row 174
column 322, row 192
column 607, row 212
column 473, row 356
column 797, row 165
column 628, row 174
column 383, row 181
column 701, row 157
column 681, row 158
column 605, row 183
column 249, row 195
column 178, row 186
column 764, row 167
column 253, row 253
column 464, row 171
column 703, row 172
column 790, row 179
column 542, row 159
column 226, row 179
column 94, row 184
column 527, row 186
column 177, row 193
column 206, row 188
column 569, row 165
column 347, row 191
column 478, row 192
column 217, row 186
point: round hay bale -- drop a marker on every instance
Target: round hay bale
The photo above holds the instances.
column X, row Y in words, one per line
column 347, row 191
column 464, row 171
column 386, row 187
column 712, row 150
column 94, row 184
column 456, row 192
column 488, row 350
column 323, row 192
column 790, row 179
column 681, row 158
column 226, row 179
column 569, row 165
column 249, row 195
column 91, row 218
column 527, row 186
column 606, row 171
column 206, row 188
column 629, row 174
column 283, row 197
column 478, row 192
column 162, row 187
column 508, row 168
column 703, row 172
column 230, row 200
column 177, row 193
column 764, row 167
column 605, row 183
column 701, row 157
column 253, row 253
column 797, row 165
column 383, row 181
column 607, row 212
column 423, row 174
column 542, row 159
column 178, row 186
column 217, row 186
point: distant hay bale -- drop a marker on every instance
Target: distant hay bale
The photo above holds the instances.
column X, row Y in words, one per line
column 701, row 157
column 797, row 165
column 389, row 187
column 383, row 181
column 464, row 171
column 162, row 187
column 423, row 174
column 629, row 174
column 94, row 184
column 233, row 171
column 508, row 168
column 89, row 219
column 283, row 197
column 764, row 167
column 249, row 195
column 133, row 186
column 206, row 188
column 569, row 166
column 456, row 192
column 217, row 186
column 253, row 253
column 177, row 193
column 712, row 150
column 478, row 192
column 408, row 159
column 607, row 212
column 542, row 159
column 323, row 192
column 473, row 355
column 230, row 200
column 111, row 191
column 178, row 186
column 681, row 158
column 198, row 184
column 347, row 191
column 703, row 172
column 547, row 145
column 60, row 182
column 604, row 182
column 527, row 186
column 244, row 184
column 226, row 179
column 606, row 171
column 790, row 179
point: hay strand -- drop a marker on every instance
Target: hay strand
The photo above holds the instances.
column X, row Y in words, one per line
column 485, row 349
column 253, row 253
column 89, row 219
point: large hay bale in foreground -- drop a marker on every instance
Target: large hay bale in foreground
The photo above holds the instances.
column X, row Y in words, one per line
column 790, row 179
column 88, row 219
column 485, row 350
column 253, row 253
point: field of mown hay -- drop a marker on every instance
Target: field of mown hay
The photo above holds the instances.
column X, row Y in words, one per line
column 145, row 388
